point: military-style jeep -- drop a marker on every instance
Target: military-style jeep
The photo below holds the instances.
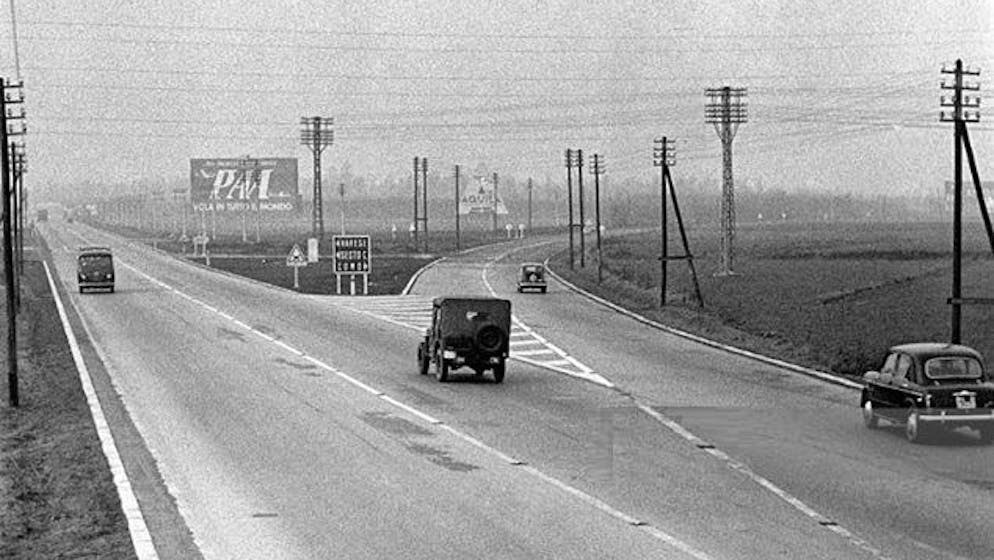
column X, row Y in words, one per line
column 468, row 332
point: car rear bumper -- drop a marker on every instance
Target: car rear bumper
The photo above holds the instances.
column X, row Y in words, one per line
column 537, row 285
column 87, row 284
column 956, row 416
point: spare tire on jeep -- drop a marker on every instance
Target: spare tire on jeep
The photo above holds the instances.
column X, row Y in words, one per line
column 490, row 338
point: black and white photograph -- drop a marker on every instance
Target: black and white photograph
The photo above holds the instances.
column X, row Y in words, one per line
column 445, row 279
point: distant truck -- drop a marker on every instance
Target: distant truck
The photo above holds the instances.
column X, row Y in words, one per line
column 42, row 215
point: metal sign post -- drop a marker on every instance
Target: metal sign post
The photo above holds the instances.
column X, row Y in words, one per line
column 296, row 259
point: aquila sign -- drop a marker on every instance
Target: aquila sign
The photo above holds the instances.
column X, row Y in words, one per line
column 241, row 184
column 480, row 200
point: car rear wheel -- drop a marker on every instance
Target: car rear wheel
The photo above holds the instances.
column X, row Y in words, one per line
column 441, row 368
column 914, row 429
column 499, row 373
column 870, row 418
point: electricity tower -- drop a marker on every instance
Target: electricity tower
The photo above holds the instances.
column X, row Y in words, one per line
column 726, row 110
column 317, row 134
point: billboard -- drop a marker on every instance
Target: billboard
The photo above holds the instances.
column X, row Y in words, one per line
column 350, row 254
column 242, row 184
column 482, row 200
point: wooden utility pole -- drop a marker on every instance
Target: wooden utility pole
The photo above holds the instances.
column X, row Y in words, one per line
column 529, row 205
column 421, row 189
column 726, row 110
column 424, row 191
column 458, row 244
column 570, row 163
column 417, row 193
column 964, row 109
column 495, row 204
column 579, row 187
column 6, row 151
column 664, row 156
column 597, row 168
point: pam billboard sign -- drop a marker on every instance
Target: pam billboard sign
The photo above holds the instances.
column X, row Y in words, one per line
column 240, row 184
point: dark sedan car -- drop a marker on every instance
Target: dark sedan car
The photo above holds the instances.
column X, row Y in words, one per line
column 532, row 277
column 929, row 387
column 95, row 269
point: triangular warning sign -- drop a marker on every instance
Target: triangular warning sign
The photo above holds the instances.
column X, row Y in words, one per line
column 296, row 257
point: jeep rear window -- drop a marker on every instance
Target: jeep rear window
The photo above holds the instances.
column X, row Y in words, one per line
column 94, row 262
column 953, row 367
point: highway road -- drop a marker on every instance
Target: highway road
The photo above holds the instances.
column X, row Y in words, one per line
column 280, row 425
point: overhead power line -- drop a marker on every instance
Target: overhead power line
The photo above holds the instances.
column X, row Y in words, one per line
column 500, row 35
column 916, row 44
column 229, row 71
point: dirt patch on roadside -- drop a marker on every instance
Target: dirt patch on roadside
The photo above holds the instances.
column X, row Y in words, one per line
column 59, row 499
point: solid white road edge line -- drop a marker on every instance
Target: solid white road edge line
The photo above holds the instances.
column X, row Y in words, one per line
column 140, row 537
column 654, row 532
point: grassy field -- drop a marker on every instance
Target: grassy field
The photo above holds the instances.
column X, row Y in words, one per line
column 832, row 296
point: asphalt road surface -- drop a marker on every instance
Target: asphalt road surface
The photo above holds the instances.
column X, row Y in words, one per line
column 293, row 426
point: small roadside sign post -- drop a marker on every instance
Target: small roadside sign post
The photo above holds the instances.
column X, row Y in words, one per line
column 296, row 259
column 201, row 241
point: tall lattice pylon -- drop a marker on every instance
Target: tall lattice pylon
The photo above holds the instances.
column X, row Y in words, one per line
column 726, row 109
column 317, row 135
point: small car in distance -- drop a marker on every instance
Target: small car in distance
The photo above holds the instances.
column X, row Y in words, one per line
column 930, row 387
column 532, row 277
column 95, row 269
column 466, row 331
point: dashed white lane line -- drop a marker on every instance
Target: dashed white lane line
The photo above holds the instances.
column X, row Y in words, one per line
column 654, row 532
column 686, row 434
column 137, row 529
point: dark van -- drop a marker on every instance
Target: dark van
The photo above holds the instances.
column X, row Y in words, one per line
column 95, row 269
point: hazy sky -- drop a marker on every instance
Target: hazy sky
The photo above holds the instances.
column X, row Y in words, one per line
column 843, row 95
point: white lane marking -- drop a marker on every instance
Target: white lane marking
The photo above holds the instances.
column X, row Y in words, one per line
column 565, row 365
column 559, row 362
column 137, row 529
column 763, row 482
column 534, row 352
column 686, row 434
column 654, row 532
